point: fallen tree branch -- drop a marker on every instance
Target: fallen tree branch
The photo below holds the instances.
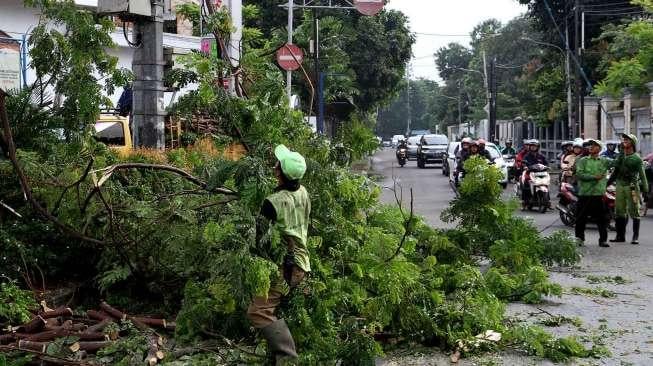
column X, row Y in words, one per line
column 45, row 357
column 76, row 184
column 108, row 171
column 27, row 190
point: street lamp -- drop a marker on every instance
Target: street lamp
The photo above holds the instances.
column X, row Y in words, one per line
column 568, row 81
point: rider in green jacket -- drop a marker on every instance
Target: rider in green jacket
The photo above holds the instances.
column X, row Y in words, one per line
column 631, row 181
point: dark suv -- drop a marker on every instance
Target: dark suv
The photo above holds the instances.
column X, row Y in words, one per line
column 432, row 149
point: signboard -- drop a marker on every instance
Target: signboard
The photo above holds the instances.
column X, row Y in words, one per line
column 368, row 7
column 9, row 69
column 209, row 46
column 290, row 57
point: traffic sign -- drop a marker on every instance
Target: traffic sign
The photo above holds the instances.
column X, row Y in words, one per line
column 368, row 7
column 290, row 57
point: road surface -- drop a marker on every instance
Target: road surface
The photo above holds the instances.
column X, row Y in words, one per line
column 624, row 322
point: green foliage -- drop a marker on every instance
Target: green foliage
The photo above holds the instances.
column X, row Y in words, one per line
column 15, row 303
column 128, row 350
column 538, row 342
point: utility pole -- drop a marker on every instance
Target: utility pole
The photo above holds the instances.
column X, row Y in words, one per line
column 291, row 6
column 318, row 77
column 577, row 98
column 148, row 108
column 408, row 100
column 493, row 99
column 570, row 107
column 234, row 49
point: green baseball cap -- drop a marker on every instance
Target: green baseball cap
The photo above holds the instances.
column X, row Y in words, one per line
column 292, row 163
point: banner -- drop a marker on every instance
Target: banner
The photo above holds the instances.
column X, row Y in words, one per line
column 9, row 69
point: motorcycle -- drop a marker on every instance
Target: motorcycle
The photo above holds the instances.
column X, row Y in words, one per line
column 568, row 204
column 509, row 161
column 402, row 156
column 535, row 182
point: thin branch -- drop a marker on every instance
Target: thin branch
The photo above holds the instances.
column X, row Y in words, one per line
column 407, row 229
column 27, row 190
column 45, row 357
column 211, row 204
column 10, row 209
column 76, row 184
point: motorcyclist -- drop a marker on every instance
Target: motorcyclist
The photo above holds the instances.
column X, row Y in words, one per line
column 610, row 150
column 401, row 145
column 473, row 150
column 566, row 147
column 569, row 160
column 482, row 150
column 464, row 149
column 519, row 159
column 532, row 157
column 509, row 150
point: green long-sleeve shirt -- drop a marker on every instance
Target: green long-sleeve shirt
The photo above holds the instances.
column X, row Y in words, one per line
column 630, row 170
column 587, row 169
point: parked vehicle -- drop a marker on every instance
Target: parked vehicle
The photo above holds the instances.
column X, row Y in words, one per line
column 568, row 205
column 413, row 145
column 535, row 181
column 402, row 156
column 113, row 130
column 396, row 139
column 387, row 143
column 432, row 149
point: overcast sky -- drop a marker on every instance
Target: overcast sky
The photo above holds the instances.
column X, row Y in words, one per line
column 448, row 17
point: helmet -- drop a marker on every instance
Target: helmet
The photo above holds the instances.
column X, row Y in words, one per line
column 528, row 142
column 508, row 141
column 567, row 143
column 578, row 142
column 480, row 142
column 612, row 142
column 467, row 140
column 473, row 143
column 534, row 142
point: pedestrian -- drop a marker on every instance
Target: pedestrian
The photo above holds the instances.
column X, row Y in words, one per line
column 591, row 174
column 288, row 210
column 631, row 181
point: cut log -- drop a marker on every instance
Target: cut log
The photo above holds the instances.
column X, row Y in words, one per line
column 99, row 327
column 152, row 322
column 154, row 354
column 115, row 313
column 65, row 312
column 76, row 327
column 98, row 315
column 52, row 323
column 171, row 325
column 33, row 326
column 33, row 346
column 93, row 346
column 7, row 338
column 61, row 332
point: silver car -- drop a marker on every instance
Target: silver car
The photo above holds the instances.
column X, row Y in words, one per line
column 413, row 143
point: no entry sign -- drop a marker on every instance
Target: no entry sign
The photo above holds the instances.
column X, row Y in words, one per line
column 368, row 7
column 290, row 57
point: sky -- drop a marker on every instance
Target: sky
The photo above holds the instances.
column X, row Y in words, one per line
column 447, row 17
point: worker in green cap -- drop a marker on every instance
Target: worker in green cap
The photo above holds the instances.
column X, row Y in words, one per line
column 591, row 173
column 630, row 177
column 288, row 210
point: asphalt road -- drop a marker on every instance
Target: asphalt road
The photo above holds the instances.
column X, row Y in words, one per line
column 624, row 323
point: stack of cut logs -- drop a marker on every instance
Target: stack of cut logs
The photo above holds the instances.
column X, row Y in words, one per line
column 36, row 335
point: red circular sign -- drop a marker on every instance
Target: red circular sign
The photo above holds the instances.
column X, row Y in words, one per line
column 290, row 57
column 368, row 7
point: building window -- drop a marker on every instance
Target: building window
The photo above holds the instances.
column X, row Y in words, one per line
column 170, row 26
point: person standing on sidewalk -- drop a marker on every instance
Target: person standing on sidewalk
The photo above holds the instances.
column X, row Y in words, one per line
column 591, row 173
column 630, row 177
column 288, row 210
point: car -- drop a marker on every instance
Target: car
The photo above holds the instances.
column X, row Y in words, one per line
column 497, row 158
column 449, row 165
column 413, row 144
column 432, row 149
column 419, row 132
column 387, row 143
column 396, row 139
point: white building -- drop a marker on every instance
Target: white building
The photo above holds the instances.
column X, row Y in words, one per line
column 17, row 21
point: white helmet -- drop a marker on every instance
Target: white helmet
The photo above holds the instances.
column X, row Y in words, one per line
column 578, row 142
column 467, row 140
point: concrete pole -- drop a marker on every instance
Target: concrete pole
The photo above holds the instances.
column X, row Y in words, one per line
column 148, row 106
column 291, row 6
column 234, row 49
